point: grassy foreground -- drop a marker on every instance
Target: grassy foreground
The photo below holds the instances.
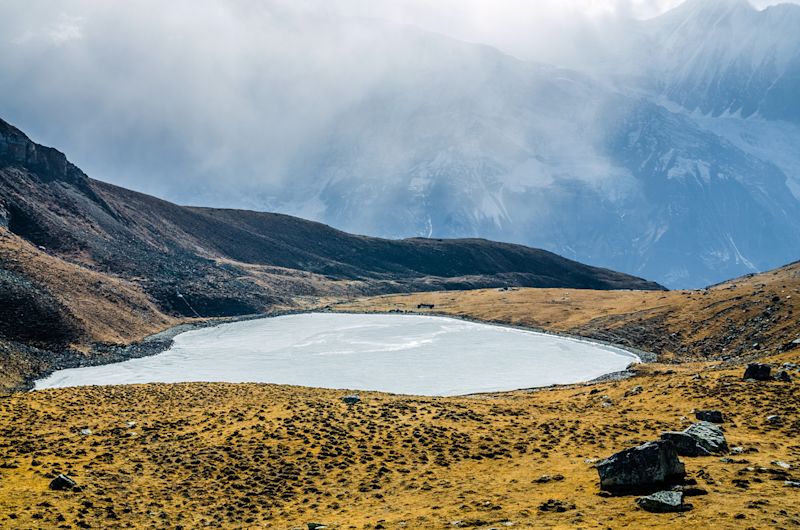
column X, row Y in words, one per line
column 263, row 456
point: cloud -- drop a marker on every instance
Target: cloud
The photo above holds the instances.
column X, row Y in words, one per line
column 191, row 94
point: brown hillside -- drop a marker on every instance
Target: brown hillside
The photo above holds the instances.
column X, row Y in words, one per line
column 746, row 317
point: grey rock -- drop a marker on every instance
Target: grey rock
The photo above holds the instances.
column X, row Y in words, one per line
column 62, row 482
column 792, row 484
column 773, row 418
column 708, row 436
column 758, row 371
column 713, row 416
column 316, row 526
column 685, row 444
column 700, row 439
column 641, row 469
column 690, row 491
column 784, row 376
column 351, row 400
column 554, row 505
column 664, row 502
column 634, row 391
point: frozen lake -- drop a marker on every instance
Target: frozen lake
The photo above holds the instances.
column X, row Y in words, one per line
column 402, row 354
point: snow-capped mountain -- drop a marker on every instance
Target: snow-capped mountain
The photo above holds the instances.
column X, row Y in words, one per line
column 724, row 57
column 553, row 158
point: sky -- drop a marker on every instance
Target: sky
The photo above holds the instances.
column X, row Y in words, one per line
column 139, row 93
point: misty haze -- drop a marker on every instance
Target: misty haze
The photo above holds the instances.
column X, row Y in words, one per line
column 628, row 143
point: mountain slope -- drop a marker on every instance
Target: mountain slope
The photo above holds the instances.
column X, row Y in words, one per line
column 85, row 262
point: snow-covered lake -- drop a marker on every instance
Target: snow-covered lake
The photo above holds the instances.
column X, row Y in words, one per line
column 402, row 354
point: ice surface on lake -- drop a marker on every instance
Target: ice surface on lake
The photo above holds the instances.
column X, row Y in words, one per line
column 392, row 353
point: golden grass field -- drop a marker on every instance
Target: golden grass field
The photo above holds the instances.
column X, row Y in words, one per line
column 263, row 456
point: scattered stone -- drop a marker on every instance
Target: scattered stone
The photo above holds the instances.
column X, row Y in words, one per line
column 641, row 469
column 773, row 418
column 86, row 432
column 544, row 479
column 784, row 377
column 351, row 400
column 553, row 505
column 712, row 416
column 690, row 491
column 634, row 391
column 758, row 371
column 792, row 484
column 781, row 464
column 728, row 460
column 62, row 482
column 316, row 526
column 130, row 424
column 664, row 502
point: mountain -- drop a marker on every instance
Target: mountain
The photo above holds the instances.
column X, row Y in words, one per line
column 724, row 57
column 82, row 261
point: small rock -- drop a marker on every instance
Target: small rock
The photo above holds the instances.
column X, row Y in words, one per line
column 773, row 418
column 351, row 400
column 86, row 432
column 758, row 371
column 712, row 416
column 781, row 464
column 544, row 479
column 553, row 505
column 792, row 484
column 62, row 482
column 641, row 468
column 634, row 391
column 664, row 502
column 316, row 526
column 690, row 491
column 783, row 376
column 130, row 424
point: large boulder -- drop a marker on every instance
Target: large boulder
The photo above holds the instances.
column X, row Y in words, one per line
column 758, row 371
column 641, row 469
column 709, row 436
column 664, row 502
column 700, row 439
column 685, row 444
